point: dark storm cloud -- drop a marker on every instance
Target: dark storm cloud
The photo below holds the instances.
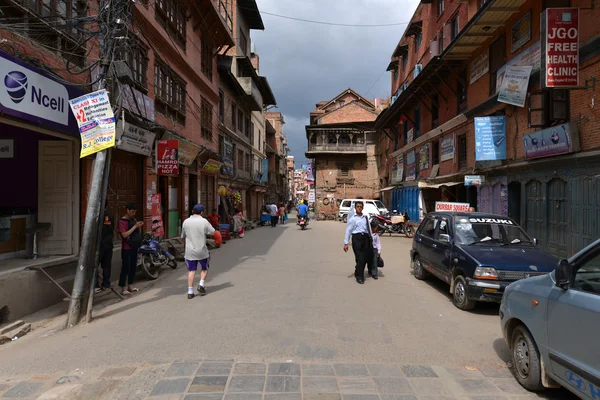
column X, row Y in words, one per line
column 307, row 63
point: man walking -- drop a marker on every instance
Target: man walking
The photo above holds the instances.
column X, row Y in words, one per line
column 273, row 212
column 194, row 230
column 106, row 249
column 358, row 228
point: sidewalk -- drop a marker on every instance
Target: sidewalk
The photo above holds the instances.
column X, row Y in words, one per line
column 229, row 380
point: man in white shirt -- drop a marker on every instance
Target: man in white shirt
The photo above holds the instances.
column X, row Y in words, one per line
column 194, row 230
column 273, row 213
column 358, row 228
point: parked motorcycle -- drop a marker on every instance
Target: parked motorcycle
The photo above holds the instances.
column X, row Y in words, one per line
column 303, row 222
column 395, row 223
column 151, row 257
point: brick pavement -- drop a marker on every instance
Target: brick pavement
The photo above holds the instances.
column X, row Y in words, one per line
column 231, row 380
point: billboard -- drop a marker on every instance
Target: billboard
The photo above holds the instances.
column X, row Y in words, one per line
column 560, row 42
column 490, row 138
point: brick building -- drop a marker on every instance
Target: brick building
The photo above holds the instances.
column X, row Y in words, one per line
column 277, row 150
column 447, row 70
column 341, row 140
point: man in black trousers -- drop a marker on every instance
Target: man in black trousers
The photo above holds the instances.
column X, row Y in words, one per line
column 106, row 249
column 358, row 228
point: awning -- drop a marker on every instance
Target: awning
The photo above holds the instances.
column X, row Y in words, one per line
column 492, row 16
column 427, row 185
column 414, row 28
column 401, row 50
column 386, row 189
column 392, row 65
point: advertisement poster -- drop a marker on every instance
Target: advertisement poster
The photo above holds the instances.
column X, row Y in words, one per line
column 550, row 142
column 410, row 157
column 448, row 206
column 560, row 30
column 520, row 33
column 490, row 138
column 411, row 172
column 187, row 150
column 447, row 148
column 474, row 180
column 424, row 157
column 400, row 163
column 167, row 157
column 211, row 166
column 311, row 196
column 158, row 228
column 530, row 57
column 265, row 170
column 410, row 135
column 394, row 172
column 480, row 66
column 309, row 172
column 134, row 139
column 514, row 86
column 228, row 167
column 96, row 122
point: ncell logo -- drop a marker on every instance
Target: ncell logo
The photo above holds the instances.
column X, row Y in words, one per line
column 16, row 85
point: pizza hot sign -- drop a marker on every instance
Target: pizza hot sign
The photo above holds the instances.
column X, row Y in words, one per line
column 560, row 27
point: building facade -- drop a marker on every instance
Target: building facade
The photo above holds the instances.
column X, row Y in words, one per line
column 277, row 150
column 459, row 110
column 342, row 142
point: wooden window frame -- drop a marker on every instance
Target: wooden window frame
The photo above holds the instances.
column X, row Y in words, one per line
column 207, row 59
column 206, row 111
column 169, row 92
column 171, row 15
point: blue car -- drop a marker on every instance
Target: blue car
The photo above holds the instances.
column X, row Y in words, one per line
column 552, row 326
column 477, row 254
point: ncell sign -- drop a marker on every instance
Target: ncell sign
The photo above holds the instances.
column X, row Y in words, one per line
column 560, row 47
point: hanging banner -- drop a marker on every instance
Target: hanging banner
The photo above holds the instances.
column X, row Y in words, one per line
column 394, row 171
column 96, row 122
column 514, row 86
column 530, row 57
column 158, row 228
column 167, row 157
column 490, row 138
column 480, row 66
column 410, row 135
column 187, row 150
column 560, row 47
column 474, row 180
column 447, row 148
column 411, row 172
column 410, row 157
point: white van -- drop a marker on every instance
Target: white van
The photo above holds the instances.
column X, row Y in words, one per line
column 372, row 207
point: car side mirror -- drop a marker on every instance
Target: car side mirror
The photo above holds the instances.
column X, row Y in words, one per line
column 444, row 238
column 536, row 242
column 563, row 274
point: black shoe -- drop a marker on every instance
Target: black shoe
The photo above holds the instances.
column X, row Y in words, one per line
column 375, row 277
column 191, row 296
column 202, row 290
column 360, row 281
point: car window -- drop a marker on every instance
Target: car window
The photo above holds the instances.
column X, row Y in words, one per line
column 493, row 230
column 346, row 203
column 587, row 278
column 379, row 204
column 429, row 228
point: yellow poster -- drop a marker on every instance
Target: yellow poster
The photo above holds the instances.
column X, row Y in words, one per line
column 96, row 122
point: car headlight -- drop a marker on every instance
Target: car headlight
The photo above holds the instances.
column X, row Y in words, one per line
column 486, row 273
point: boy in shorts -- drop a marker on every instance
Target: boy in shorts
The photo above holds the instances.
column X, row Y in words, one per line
column 194, row 230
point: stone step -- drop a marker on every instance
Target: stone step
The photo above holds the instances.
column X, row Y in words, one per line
column 18, row 332
column 11, row 327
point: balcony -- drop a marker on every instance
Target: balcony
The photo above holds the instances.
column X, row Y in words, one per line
column 252, row 99
column 337, row 148
column 216, row 17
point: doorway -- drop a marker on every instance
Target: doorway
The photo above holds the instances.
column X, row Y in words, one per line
column 170, row 189
column 514, row 201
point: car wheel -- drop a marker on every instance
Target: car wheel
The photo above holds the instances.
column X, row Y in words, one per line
column 345, row 218
column 460, row 296
column 418, row 270
column 526, row 359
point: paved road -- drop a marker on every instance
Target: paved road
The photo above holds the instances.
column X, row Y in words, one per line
column 279, row 294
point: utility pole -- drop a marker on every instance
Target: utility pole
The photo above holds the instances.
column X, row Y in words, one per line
column 114, row 16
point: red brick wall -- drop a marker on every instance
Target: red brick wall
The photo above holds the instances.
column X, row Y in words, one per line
column 349, row 113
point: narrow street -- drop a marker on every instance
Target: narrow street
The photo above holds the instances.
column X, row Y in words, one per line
column 277, row 295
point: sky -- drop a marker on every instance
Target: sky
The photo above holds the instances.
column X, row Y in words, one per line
column 306, row 63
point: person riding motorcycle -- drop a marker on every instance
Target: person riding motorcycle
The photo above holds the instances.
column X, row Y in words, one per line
column 303, row 211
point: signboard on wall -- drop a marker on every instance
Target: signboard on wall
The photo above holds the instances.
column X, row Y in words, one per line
column 560, row 139
column 514, row 86
column 424, row 157
column 410, row 135
column 394, row 171
column 530, row 57
column 311, row 196
column 410, row 157
column 134, row 139
column 474, row 180
column 7, row 148
column 411, row 172
column 187, row 150
column 167, row 157
column 520, row 33
column 560, row 47
column 490, row 138
column 479, row 66
column 400, row 163
column 447, row 148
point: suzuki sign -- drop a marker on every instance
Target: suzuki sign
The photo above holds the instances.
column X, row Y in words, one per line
column 560, row 47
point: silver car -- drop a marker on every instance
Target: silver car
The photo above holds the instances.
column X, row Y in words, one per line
column 551, row 324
